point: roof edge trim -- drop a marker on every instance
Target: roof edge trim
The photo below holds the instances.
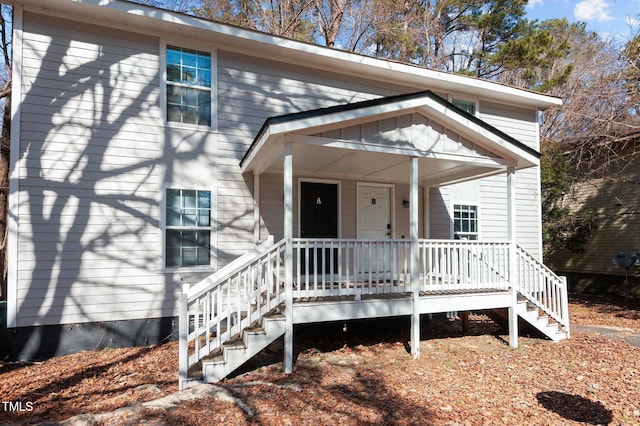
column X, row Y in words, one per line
column 347, row 62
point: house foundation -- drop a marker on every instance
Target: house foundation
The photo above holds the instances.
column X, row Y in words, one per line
column 42, row 342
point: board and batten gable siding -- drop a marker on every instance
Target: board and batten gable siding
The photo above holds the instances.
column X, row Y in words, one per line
column 89, row 177
column 410, row 131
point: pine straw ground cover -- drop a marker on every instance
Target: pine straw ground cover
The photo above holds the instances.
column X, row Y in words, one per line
column 362, row 374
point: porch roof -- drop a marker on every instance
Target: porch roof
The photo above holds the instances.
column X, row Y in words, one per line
column 453, row 145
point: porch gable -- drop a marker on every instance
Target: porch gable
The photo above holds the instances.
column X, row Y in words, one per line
column 375, row 138
column 413, row 132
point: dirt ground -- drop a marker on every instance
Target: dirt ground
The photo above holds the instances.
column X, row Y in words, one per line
column 360, row 373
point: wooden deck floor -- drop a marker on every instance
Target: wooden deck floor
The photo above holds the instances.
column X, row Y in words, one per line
column 344, row 307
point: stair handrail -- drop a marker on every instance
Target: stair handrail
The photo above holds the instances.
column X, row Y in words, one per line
column 226, row 302
column 228, row 270
column 542, row 287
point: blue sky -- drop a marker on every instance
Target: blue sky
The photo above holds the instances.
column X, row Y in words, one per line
column 615, row 19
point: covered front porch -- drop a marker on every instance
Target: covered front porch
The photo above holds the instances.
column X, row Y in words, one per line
column 368, row 170
column 381, row 263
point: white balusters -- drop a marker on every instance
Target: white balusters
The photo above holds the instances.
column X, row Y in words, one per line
column 463, row 265
column 341, row 267
column 542, row 287
column 222, row 305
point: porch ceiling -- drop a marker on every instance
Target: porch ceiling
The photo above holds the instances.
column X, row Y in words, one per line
column 323, row 144
column 332, row 162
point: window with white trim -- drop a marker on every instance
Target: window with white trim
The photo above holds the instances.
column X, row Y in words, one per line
column 468, row 106
column 187, row 228
column 465, row 222
column 188, row 86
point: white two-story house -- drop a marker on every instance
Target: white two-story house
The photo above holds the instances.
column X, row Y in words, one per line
column 172, row 172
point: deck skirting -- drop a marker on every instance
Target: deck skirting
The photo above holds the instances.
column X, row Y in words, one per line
column 319, row 309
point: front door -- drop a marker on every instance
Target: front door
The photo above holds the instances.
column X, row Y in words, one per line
column 318, row 219
column 318, row 210
column 374, row 219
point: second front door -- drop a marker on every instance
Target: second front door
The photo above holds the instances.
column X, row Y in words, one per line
column 374, row 221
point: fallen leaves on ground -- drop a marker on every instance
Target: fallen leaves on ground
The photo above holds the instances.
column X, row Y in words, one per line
column 87, row 382
column 613, row 311
column 364, row 375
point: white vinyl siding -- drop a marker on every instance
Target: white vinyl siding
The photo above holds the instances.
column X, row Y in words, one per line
column 250, row 90
column 517, row 122
column 88, row 200
column 492, row 191
column 521, row 124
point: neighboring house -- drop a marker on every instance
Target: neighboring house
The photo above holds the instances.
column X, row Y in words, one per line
column 612, row 197
column 165, row 165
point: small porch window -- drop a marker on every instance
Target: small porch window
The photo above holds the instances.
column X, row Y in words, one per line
column 188, row 86
column 465, row 222
column 468, row 106
column 187, row 228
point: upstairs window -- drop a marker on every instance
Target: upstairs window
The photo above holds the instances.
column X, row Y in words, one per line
column 188, row 86
column 469, row 106
column 187, row 228
column 465, row 222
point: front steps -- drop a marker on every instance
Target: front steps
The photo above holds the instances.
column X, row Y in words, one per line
column 530, row 316
column 540, row 321
column 238, row 351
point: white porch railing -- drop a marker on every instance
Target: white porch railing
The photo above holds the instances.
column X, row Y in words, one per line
column 221, row 306
column 463, row 265
column 542, row 287
column 341, row 267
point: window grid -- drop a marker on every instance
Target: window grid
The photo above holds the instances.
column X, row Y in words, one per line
column 187, row 228
column 465, row 222
column 188, row 86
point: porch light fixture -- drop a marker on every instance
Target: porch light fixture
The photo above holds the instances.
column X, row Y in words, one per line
column 405, row 204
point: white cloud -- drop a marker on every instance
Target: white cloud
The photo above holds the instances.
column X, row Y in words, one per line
column 534, row 3
column 593, row 10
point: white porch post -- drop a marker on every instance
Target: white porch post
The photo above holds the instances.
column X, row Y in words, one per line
column 256, row 208
column 426, row 218
column 183, row 339
column 415, row 257
column 288, row 257
column 513, row 275
column 511, row 204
